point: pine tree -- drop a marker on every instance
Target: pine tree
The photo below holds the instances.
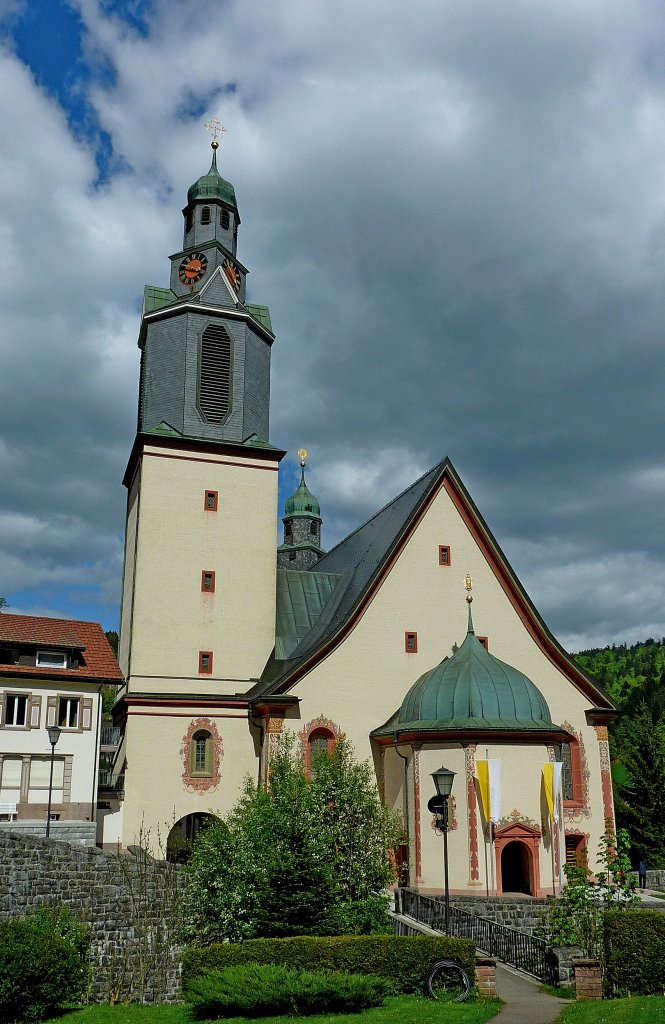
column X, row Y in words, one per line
column 641, row 804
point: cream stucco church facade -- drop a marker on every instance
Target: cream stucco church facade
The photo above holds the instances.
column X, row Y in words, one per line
column 225, row 642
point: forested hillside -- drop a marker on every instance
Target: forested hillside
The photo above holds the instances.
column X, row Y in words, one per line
column 635, row 679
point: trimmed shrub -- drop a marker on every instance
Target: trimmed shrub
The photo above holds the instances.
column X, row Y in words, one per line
column 43, row 964
column 266, row 990
column 635, row 952
column 402, row 960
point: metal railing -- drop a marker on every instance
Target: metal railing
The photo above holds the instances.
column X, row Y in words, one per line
column 110, row 736
column 105, row 780
column 519, row 949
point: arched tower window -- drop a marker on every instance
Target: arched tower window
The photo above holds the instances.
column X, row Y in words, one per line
column 225, row 219
column 215, row 374
column 205, row 215
column 200, row 755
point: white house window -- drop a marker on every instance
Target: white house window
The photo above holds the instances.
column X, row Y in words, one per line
column 68, row 712
column 51, row 659
column 16, row 709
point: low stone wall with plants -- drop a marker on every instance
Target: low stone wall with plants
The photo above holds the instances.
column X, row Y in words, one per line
column 130, row 904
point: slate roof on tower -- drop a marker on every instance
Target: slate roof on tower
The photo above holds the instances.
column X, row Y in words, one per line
column 363, row 558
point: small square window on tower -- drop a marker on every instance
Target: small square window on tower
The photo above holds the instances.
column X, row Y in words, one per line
column 484, row 641
column 411, row 643
column 205, row 663
column 210, row 501
column 208, row 581
column 444, row 554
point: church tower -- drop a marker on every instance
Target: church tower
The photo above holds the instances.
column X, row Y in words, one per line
column 198, row 600
column 302, row 526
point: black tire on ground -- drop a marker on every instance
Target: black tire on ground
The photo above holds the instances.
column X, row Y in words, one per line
column 447, row 980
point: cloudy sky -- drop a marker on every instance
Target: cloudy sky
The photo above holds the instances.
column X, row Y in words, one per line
column 456, row 212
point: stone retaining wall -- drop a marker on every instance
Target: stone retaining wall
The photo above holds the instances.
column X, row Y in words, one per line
column 130, row 904
column 80, row 833
column 523, row 913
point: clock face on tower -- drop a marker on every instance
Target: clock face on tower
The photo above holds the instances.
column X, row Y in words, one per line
column 233, row 274
column 193, row 268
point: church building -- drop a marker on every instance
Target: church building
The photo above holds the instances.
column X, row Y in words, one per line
column 228, row 639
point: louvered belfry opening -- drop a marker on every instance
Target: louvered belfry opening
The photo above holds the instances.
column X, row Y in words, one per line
column 205, row 215
column 215, row 374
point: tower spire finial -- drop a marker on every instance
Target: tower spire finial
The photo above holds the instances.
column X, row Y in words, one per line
column 468, row 586
column 303, row 455
column 215, row 126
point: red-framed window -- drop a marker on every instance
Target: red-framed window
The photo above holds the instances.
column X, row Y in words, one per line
column 484, row 640
column 205, row 663
column 210, row 501
column 444, row 554
column 208, row 581
column 411, row 643
column 571, row 774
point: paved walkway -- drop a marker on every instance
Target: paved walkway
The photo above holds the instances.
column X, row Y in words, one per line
column 525, row 1003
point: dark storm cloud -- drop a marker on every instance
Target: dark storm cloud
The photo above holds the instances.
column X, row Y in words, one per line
column 457, row 217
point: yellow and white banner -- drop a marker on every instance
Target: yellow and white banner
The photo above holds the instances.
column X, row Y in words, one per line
column 488, row 773
column 552, row 783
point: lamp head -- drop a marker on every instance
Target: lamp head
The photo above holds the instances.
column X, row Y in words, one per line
column 443, row 780
column 54, row 734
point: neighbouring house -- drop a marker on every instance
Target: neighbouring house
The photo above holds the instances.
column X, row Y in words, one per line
column 52, row 672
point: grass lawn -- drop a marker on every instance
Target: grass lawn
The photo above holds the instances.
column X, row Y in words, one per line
column 397, row 1010
column 638, row 1010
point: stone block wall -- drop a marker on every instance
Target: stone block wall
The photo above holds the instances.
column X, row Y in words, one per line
column 514, row 911
column 79, row 833
column 131, row 905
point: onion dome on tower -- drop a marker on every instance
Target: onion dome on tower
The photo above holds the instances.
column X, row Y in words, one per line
column 472, row 691
column 302, row 526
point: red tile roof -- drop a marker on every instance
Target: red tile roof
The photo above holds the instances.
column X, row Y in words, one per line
column 96, row 662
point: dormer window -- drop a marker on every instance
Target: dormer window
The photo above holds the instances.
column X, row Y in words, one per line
column 51, row 659
column 205, row 215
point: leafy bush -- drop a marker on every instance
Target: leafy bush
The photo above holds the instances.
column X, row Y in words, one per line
column 635, row 952
column 266, row 990
column 402, row 960
column 307, row 855
column 43, row 964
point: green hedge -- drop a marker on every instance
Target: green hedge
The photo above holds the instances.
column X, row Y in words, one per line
column 267, row 990
column 635, row 952
column 403, row 960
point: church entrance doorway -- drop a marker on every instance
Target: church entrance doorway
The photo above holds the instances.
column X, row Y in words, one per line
column 515, row 873
column 517, row 850
column 183, row 834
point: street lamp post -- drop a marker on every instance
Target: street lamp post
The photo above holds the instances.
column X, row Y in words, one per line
column 438, row 805
column 53, row 735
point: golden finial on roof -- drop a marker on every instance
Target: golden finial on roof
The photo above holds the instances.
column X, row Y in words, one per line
column 303, row 454
column 215, row 126
column 468, row 586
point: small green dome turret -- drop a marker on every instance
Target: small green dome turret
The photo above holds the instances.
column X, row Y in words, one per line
column 303, row 502
column 212, row 185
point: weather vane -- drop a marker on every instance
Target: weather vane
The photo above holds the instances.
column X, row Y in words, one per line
column 215, row 126
column 468, row 586
column 303, row 454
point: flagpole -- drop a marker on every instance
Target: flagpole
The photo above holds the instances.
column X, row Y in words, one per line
column 487, row 834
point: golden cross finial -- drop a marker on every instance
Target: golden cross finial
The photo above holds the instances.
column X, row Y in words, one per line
column 468, row 586
column 215, row 126
column 303, row 455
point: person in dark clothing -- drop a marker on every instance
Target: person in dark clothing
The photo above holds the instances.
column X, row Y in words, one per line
column 642, row 873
